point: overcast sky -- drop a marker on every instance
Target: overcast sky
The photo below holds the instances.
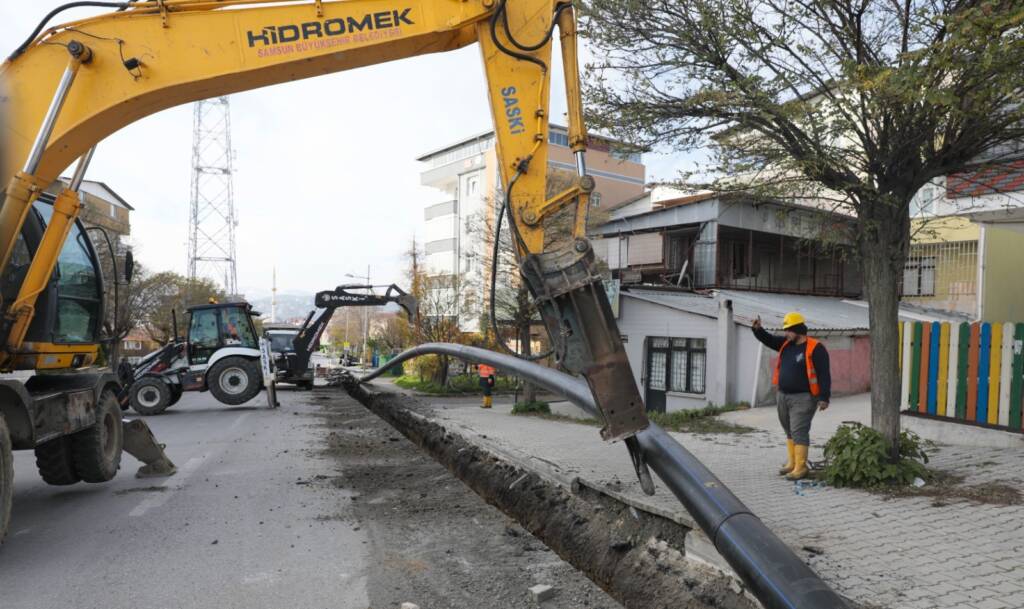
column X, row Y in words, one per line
column 326, row 180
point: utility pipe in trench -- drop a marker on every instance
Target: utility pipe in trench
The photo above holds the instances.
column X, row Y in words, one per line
column 770, row 569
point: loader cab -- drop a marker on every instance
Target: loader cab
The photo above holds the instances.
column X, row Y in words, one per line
column 216, row 326
column 65, row 331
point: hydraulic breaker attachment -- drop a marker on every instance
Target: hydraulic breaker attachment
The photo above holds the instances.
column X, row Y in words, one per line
column 140, row 443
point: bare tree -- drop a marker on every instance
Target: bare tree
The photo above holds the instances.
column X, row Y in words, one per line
column 855, row 102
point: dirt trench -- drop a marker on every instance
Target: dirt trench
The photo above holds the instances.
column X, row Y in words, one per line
column 637, row 558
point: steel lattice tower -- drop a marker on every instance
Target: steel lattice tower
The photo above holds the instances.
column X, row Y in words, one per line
column 211, row 230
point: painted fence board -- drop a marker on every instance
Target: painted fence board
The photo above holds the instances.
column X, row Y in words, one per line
column 962, row 351
column 1005, row 371
column 926, row 351
column 906, row 333
column 984, row 361
column 972, row 373
column 1016, row 381
column 933, row 367
column 943, row 384
column 994, row 373
column 954, row 353
column 915, row 364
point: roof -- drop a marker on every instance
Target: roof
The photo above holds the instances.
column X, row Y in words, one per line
column 101, row 191
column 823, row 313
column 1010, row 217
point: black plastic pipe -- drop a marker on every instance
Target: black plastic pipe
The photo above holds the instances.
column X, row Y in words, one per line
column 770, row 569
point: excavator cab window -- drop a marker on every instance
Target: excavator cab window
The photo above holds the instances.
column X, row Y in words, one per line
column 237, row 329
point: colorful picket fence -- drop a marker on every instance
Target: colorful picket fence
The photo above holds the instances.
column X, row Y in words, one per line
column 967, row 372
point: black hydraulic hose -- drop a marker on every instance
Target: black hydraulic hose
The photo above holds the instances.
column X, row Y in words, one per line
column 770, row 569
column 42, row 24
column 495, row 252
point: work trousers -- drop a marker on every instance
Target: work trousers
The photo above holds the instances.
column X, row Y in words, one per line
column 795, row 413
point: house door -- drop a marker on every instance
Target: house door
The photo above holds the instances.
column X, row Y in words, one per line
column 657, row 374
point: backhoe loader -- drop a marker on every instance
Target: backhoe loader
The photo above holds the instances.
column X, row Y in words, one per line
column 70, row 86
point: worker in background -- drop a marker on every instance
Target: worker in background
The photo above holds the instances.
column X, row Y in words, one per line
column 487, row 379
column 804, row 385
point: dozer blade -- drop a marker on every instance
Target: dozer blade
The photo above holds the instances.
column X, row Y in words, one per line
column 140, row 443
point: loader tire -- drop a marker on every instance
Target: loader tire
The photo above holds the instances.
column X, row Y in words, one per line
column 235, row 380
column 97, row 450
column 176, row 392
column 149, row 395
column 55, row 462
column 6, row 478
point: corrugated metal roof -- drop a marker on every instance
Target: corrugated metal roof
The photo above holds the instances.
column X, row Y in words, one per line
column 822, row 312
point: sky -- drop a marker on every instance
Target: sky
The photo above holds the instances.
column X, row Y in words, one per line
column 326, row 180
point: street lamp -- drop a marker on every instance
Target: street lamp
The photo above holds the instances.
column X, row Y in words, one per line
column 366, row 310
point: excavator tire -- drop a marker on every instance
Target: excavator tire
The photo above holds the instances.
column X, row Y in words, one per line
column 150, row 395
column 55, row 462
column 235, row 380
column 6, row 478
column 97, row 450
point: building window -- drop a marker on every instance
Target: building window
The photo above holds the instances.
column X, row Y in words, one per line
column 113, row 212
column 558, row 138
column 678, row 364
column 595, row 199
column 919, row 276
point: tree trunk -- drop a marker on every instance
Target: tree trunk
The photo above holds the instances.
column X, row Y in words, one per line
column 529, row 389
column 881, row 279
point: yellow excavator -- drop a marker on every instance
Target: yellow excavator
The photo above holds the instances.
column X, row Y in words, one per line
column 69, row 86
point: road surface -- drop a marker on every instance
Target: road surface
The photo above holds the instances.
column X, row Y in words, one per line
column 230, row 529
column 318, row 504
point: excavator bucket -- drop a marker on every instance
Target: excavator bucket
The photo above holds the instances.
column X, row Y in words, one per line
column 409, row 305
column 140, row 443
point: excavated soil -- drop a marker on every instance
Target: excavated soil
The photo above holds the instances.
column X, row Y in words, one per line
column 635, row 557
column 433, row 542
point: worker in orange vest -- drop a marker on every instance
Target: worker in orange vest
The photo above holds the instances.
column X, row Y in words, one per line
column 487, row 379
column 804, row 385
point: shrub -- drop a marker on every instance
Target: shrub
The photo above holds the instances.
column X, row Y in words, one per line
column 531, row 408
column 858, row 456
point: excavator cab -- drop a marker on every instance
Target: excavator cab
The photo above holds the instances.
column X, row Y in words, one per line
column 65, row 331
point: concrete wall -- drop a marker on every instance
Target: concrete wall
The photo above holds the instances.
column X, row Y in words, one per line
column 1002, row 288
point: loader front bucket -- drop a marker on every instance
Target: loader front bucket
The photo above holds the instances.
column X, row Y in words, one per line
column 140, row 443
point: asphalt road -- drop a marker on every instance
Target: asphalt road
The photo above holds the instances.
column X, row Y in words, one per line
column 238, row 526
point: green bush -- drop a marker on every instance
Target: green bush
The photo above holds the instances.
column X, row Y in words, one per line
column 531, row 408
column 460, row 384
column 858, row 456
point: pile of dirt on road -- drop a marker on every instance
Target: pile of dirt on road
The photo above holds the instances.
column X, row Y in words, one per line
column 636, row 557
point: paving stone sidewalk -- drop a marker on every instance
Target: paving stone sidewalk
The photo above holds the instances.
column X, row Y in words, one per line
column 891, row 553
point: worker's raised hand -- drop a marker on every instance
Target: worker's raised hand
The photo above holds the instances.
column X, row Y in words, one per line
column 757, row 323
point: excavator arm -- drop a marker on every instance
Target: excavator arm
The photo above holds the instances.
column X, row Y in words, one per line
column 308, row 339
column 76, row 83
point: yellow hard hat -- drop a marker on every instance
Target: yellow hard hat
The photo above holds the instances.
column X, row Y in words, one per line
column 792, row 319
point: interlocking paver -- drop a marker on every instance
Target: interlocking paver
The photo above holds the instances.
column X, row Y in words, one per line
column 909, row 552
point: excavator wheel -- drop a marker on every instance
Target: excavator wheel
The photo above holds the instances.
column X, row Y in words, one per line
column 6, row 478
column 235, row 380
column 150, row 395
column 55, row 462
column 97, row 450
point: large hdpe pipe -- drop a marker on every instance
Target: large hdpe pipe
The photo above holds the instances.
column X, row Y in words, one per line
column 772, row 572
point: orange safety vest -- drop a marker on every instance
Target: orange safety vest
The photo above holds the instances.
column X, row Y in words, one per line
column 812, row 375
column 485, row 371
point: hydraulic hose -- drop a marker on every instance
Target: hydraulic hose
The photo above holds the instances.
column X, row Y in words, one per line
column 770, row 569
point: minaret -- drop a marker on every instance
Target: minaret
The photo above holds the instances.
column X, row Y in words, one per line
column 273, row 298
